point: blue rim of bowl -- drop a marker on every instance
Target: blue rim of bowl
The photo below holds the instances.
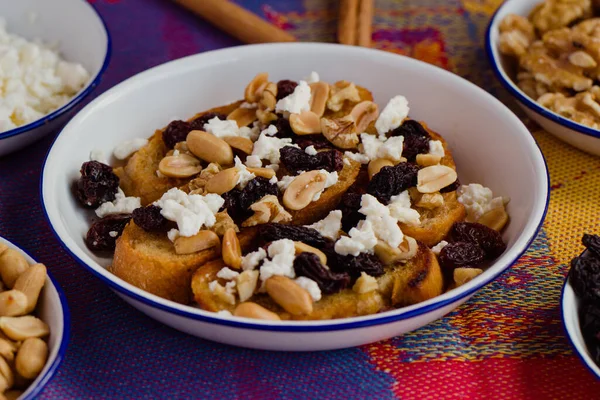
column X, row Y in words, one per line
column 75, row 100
column 290, row 328
column 522, row 97
column 568, row 335
column 66, row 336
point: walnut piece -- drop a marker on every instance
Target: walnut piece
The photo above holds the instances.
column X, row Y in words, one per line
column 555, row 14
column 197, row 186
column 223, row 223
column 267, row 210
column 340, row 92
column 341, row 132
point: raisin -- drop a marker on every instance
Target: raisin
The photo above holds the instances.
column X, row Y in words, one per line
column 318, row 141
column 488, row 239
column 353, row 265
column 460, row 254
column 416, row 139
column 199, row 122
column 309, row 265
column 273, row 231
column 592, row 243
column 285, row 87
column 390, row 181
column 238, row 202
column 585, row 277
column 349, row 205
column 98, row 184
column 150, row 219
column 296, row 160
column 284, row 130
column 103, row 233
column 589, row 319
column 176, row 132
column 451, row 187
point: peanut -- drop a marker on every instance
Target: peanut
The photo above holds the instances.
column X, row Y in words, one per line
column 376, row 165
column 304, row 248
column 427, row 160
column 21, row 328
column 364, row 113
column 246, row 284
column 432, row 179
column 31, row 283
column 262, row 172
column 320, row 95
column 31, row 358
column 365, row 284
column 302, row 190
column 255, row 88
column 495, row 218
column 3, row 247
column 291, row 297
column 240, row 143
column 209, row 148
column 12, row 264
column 305, row 123
column 7, row 374
column 463, row 275
column 232, row 252
column 8, row 349
column 181, row 166
column 253, row 310
column 13, row 303
column 242, row 116
column 203, row 240
column 223, row 181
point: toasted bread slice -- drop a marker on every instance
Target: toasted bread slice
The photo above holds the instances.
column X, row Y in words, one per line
column 138, row 177
column 403, row 284
column 148, row 260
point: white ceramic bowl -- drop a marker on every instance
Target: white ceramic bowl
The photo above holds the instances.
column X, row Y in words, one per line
column 52, row 309
column 82, row 37
column 569, row 306
column 490, row 145
column 580, row 136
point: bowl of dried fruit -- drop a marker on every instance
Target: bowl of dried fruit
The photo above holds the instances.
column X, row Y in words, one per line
column 34, row 324
column 51, row 61
column 546, row 54
column 313, row 213
column 580, row 304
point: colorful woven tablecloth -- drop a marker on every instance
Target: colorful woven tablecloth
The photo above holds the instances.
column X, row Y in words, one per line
column 506, row 342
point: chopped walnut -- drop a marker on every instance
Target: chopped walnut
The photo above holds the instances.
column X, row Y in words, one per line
column 340, row 92
column 196, row 186
column 223, row 223
column 583, row 108
column 267, row 210
column 555, row 14
column 516, row 34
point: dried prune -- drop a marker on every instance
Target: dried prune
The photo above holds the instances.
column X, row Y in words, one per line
column 150, row 219
column 488, row 239
column 416, row 139
column 176, row 132
column 238, row 202
column 585, row 277
column 390, row 181
column 296, row 160
column 284, row 130
column 589, row 317
column 98, row 184
column 103, row 233
column 285, row 87
column 592, row 243
column 460, row 254
column 309, row 265
column 198, row 123
column 272, row 231
column 318, row 141
column 349, row 205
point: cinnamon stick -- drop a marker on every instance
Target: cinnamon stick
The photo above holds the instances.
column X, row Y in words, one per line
column 238, row 22
column 365, row 21
column 347, row 22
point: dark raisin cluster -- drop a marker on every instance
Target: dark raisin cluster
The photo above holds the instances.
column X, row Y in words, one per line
column 98, row 184
column 391, row 181
column 309, row 265
column 238, row 201
column 150, row 219
column 285, row 87
column 295, row 160
column 284, row 130
column 460, row 254
column 349, row 205
column 103, row 234
column 177, row 131
column 318, row 141
column 416, row 139
column 271, row 232
column 584, row 276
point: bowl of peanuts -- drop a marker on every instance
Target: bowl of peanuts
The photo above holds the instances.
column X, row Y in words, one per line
column 546, row 53
column 34, row 324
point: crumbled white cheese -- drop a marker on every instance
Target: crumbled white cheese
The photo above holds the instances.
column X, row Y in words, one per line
column 229, row 288
column 270, row 130
column 227, row 274
column 284, row 182
column 310, row 286
column 224, row 313
column 362, row 239
column 361, row 158
column 251, row 260
column 274, row 167
column 436, row 148
column 384, row 225
column 176, row 153
column 173, row 234
column 392, row 115
column 267, row 147
column 312, row 78
column 296, row 102
column 222, row 128
column 438, row 247
column 478, row 200
column 281, row 260
column 248, row 105
column 374, row 147
column 244, row 176
column 331, row 179
column 273, row 180
column 128, row 147
column 113, row 234
column 98, row 155
column 190, row 212
column 34, row 80
column 120, row 205
column 400, row 209
column 253, row 162
column 250, row 133
column 329, row 226
column 310, row 150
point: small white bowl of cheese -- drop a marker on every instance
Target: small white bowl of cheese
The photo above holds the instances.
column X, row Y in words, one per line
column 52, row 55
